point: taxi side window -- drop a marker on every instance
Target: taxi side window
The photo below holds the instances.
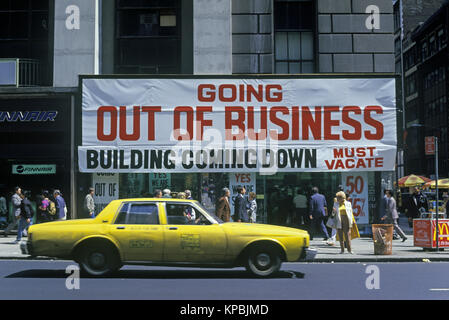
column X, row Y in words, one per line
column 176, row 213
column 138, row 213
column 182, row 213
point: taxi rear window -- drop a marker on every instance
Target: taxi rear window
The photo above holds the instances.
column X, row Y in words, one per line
column 138, row 213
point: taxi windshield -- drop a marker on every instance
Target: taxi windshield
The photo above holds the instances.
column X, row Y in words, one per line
column 209, row 212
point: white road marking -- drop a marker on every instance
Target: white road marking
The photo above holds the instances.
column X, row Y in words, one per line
column 439, row 289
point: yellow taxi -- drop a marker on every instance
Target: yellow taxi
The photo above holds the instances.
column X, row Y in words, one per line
column 163, row 231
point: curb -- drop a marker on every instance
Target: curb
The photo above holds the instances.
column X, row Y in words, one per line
column 363, row 260
column 28, row 258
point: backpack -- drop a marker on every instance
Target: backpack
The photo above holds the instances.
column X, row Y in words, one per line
column 51, row 209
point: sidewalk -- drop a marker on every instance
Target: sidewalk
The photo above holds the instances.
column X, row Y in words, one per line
column 363, row 249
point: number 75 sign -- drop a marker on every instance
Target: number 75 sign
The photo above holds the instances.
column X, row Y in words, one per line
column 356, row 185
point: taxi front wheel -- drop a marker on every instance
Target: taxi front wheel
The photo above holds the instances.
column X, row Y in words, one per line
column 98, row 261
column 263, row 262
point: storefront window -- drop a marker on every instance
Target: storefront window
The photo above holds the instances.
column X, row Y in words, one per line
column 282, row 188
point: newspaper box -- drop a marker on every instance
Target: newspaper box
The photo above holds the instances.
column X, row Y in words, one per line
column 383, row 239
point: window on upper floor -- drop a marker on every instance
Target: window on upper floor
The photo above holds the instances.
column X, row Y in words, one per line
column 24, row 34
column 407, row 59
column 294, row 25
column 148, row 36
column 432, row 45
column 397, row 16
column 410, row 85
column 397, row 46
column 441, row 38
column 424, row 50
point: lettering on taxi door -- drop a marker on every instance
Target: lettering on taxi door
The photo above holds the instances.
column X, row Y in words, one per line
column 139, row 244
column 190, row 241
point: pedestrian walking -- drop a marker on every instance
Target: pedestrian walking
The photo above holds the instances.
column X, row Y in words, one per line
column 26, row 214
column 318, row 211
column 331, row 223
column 166, row 193
column 383, row 205
column 157, row 193
column 3, row 207
column 384, row 209
column 300, row 203
column 16, row 201
column 240, row 212
column 252, row 207
column 89, row 203
column 223, row 208
column 415, row 203
column 181, row 195
column 392, row 215
column 343, row 221
column 61, row 209
column 42, row 209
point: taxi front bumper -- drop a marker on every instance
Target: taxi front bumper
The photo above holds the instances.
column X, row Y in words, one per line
column 26, row 247
column 308, row 254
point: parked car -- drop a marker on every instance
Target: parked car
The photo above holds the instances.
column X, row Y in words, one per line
column 157, row 231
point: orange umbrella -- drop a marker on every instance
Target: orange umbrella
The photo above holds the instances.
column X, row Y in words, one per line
column 442, row 184
column 412, row 180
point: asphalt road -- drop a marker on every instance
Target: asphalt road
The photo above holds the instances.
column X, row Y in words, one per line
column 32, row 279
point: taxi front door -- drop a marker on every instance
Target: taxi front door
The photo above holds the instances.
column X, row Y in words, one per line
column 191, row 242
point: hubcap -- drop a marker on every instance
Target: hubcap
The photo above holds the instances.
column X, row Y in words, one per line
column 263, row 260
column 97, row 260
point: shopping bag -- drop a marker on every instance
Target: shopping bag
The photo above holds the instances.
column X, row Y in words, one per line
column 331, row 223
column 354, row 230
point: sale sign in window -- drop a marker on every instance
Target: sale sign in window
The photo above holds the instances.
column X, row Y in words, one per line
column 356, row 185
column 106, row 187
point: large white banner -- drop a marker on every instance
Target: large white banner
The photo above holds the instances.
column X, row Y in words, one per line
column 255, row 125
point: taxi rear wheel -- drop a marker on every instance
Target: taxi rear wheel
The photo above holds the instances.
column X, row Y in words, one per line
column 98, row 260
column 263, row 261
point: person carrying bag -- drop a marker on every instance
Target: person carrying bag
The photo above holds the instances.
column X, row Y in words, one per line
column 344, row 221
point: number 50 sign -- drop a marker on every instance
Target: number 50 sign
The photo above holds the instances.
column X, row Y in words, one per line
column 356, row 185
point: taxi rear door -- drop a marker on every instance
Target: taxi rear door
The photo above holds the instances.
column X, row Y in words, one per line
column 138, row 231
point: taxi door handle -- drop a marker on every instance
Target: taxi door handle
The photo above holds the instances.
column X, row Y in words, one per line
column 173, row 228
column 120, row 228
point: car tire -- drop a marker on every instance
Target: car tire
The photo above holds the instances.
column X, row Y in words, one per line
column 263, row 261
column 98, row 261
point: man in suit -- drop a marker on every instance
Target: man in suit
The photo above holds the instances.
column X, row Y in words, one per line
column 240, row 212
column 60, row 206
column 392, row 215
column 223, row 209
column 26, row 214
column 415, row 202
column 318, row 210
column 89, row 203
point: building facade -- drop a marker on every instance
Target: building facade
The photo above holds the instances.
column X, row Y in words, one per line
column 66, row 39
column 408, row 17
column 425, row 66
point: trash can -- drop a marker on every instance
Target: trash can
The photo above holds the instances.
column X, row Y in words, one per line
column 383, row 239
